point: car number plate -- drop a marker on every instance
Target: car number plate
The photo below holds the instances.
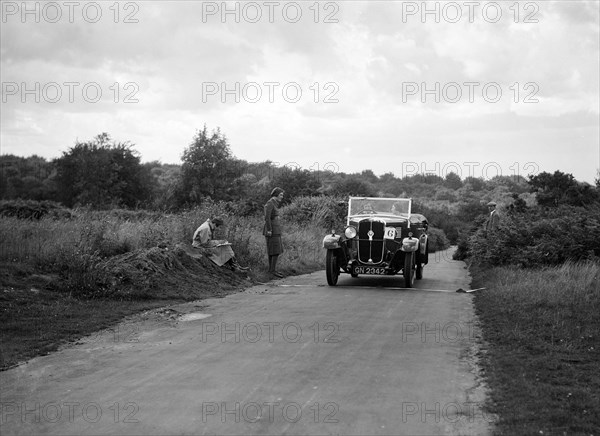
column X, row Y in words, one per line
column 369, row 270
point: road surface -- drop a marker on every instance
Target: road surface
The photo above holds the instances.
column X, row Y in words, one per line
column 292, row 357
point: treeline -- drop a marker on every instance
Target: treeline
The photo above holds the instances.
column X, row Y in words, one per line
column 102, row 173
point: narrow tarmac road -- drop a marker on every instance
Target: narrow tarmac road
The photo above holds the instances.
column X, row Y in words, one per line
column 291, row 357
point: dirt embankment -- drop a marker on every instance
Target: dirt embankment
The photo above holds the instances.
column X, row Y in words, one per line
column 168, row 273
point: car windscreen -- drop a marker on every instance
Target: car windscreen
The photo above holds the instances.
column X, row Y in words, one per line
column 394, row 206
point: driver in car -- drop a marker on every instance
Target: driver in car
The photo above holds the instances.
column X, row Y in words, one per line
column 368, row 208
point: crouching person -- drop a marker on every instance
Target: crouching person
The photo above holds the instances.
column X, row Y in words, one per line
column 218, row 251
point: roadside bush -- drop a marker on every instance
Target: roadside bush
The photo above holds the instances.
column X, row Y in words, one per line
column 462, row 249
column 441, row 216
column 539, row 238
column 31, row 209
column 243, row 208
column 327, row 212
column 437, row 240
column 121, row 214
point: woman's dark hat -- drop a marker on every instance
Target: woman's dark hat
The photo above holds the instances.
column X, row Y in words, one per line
column 276, row 191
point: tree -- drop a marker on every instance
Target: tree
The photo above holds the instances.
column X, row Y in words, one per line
column 552, row 190
column 518, row 205
column 427, row 178
column 477, row 184
column 296, row 183
column 369, row 176
column 453, row 181
column 208, row 168
column 102, row 173
column 352, row 185
column 516, row 184
column 166, row 181
column 26, row 178
column 387, row 178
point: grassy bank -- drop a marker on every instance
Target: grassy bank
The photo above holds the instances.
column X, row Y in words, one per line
column 36, row 322
column 542, row 362
column 63, row 278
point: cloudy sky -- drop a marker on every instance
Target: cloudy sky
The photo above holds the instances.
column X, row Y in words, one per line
column 478, row 88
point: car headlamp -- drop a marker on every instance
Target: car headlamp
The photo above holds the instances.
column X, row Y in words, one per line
column 409, row 244
column 350, row 232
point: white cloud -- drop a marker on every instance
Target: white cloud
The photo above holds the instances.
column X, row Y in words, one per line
column 364, row 61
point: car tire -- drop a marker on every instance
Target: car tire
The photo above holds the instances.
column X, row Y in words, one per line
column 409, row 270
column 332, row 270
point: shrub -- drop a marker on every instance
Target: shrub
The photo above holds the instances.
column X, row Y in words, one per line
column 462, row 249
column 539, row 238
column 327, row 212
column 31, row 209
column 437, row 240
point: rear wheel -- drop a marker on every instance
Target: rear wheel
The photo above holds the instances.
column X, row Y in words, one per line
column 331, row 268
column 409, row 270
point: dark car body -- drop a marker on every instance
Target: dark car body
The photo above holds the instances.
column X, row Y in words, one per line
column 382, row 237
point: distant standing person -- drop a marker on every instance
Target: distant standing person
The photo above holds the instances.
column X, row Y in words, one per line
column 493, row 219
column 272, row 230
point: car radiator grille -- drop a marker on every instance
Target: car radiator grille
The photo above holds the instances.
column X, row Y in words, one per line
column 370, row 241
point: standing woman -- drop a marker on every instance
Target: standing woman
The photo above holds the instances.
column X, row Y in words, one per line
column 272, row 230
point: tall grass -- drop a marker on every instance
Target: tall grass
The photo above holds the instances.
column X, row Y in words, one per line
column 73, row 246
column 572, row 284
column 543, row 359
column 563, row 300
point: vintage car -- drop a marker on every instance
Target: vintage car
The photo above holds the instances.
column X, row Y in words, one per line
column 382, row 237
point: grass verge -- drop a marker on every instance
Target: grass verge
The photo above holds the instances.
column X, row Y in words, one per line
column 62, row 279
column 36, row 322
column 543, row 360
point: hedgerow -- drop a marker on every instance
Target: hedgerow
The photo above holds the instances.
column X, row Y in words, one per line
column 538, row 237
column 32, row 209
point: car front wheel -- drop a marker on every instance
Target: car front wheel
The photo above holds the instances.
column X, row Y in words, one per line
column 331, row 268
